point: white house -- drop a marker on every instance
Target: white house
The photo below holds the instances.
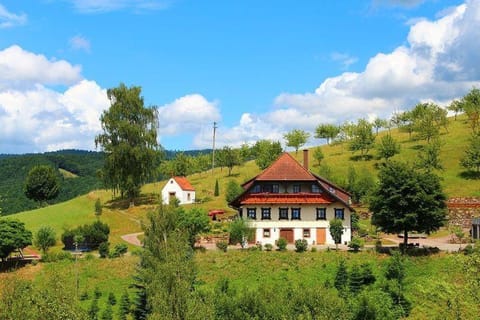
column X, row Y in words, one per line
column 287, row 200
column 180, row 188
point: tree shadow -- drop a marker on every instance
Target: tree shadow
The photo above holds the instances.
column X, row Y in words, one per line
column 417, row 147
column 122, row 203
column 469, row 175
column 359, row 157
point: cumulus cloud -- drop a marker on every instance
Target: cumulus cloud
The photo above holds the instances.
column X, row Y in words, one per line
column 79, row 42
column 100, row 6
column 23, row 69
column 439, row 63
column 36, row 118
column 8, row 19
column 187, row 115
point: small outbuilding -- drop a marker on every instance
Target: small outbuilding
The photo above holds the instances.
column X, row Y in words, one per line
column 476, row 228
column 180, row 188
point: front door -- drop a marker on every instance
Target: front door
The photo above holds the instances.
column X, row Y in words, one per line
column 321, row 235
column 287, row 234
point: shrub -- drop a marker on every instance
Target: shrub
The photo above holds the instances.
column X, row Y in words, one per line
column 301, row 245
column 119, row 250
column 97, row 293
column 103, row 249
column 111, row 299
column 92, row 235
column 314, row 249
column 268, row 247
column 356, row 244
column 222, row 245
column 282, row 244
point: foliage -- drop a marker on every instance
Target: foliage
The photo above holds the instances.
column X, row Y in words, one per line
column 93, row 309
column 90, row 235
column 104, row 249
column 336, row 230
column 98, row 207
column 233, row 191
column 471, row 105
column 124, row 308
column 229, row 157
column 14, row 170
column 216, row 192
column 387, row 147
column 194, row 222
column 355, row 279
column 41, row 184
column 45, row 238
column 427, row 120
column 471, row 159
column 455, row 106
column 363, row 138
column 359, row 185
column 341, row 277
column 282, row 244
column 268, row 247
column 296, row 138
column 240, row 231
column 107, row 313
column 266, row 152
column 13, row 236
column 356, row 244
column 379, row 123
column 222, row 245
column 119, row 250
column 407, row 200
column 395, row 269
column 327, row 131
column 318, row 155
column 129, row 140
column 429, row 157
column 301, row 245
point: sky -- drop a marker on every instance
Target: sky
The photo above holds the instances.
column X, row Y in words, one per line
column 257, row 68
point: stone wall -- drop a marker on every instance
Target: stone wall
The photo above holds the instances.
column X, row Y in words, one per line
column 461, row 210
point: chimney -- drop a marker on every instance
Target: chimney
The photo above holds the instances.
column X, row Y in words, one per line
column 305, row 159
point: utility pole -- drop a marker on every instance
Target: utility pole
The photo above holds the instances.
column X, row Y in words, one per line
column 213, row 152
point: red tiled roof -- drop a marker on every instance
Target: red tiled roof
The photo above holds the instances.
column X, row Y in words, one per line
column 285, row 198
column 184, row 183
column 285, row 168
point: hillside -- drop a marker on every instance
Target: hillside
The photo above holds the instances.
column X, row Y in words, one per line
column 76, row 172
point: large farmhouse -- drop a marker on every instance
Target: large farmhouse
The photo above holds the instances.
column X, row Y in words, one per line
column 180, row 188
column 287, row 200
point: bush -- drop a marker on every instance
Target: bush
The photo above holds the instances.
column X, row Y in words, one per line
column 356, row 244
column 268, row 247
column 103, row 249
column 314, row 249
column 282, row 244
column 301, row 245
column 92, row 236
column 222, row 245
column 119, row 250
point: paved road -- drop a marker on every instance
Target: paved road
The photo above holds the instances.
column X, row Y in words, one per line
column 132, row 238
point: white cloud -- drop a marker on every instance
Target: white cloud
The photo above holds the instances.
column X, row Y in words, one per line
column 8, row 19
column 100, row 6
column 344, row 59
column 23, row 69
column 36, row 118
column 187, row 114
column 79, row 42
column 439, row 62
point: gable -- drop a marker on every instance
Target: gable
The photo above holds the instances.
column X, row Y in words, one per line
column 285, row 168
column 184, row 184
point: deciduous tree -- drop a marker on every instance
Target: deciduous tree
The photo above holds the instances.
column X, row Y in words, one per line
column 471, row 106
column 318, row 155
column 336, row 231
column 129, row 140
column 296, row 138
column 41, row 184
column 471, row 159
column 388, row 147
column 45, row 238
column 407, row 200
column 363, row 138
column 265, row 152
column 327, row 131
column 13, row 236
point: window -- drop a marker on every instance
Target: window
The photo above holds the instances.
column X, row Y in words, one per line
column 266, row 214
column 339, row 213
column 267, row 188
column 283, row 214
column 306, row 233
column 315, row 188
column 296, row 214
column 266, row 233
column 296, row 188
column 252, row 213
column 321, row 213
column 275, row 188
column 256, row 189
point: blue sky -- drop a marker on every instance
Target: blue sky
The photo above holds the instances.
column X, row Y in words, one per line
column 258, row 68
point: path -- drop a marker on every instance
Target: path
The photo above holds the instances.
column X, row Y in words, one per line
column 441, row 243
column 132, row 238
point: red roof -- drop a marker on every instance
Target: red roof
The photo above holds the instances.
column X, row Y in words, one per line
column 285, row 168
column 184, row 183
column 286, row 198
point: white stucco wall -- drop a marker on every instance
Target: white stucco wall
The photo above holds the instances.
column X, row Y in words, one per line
column 172, row 186
column 308, row 216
